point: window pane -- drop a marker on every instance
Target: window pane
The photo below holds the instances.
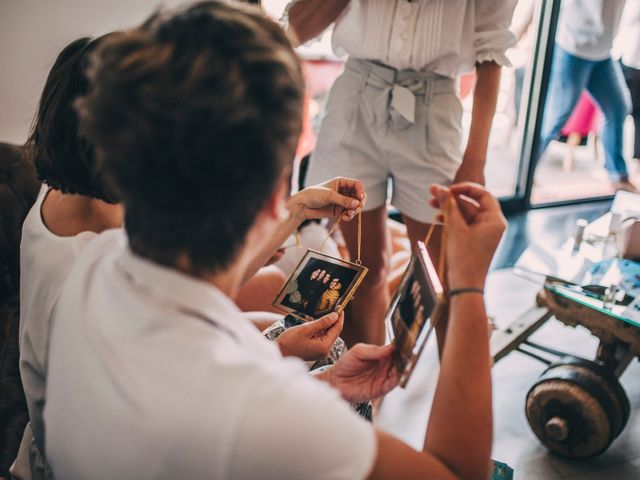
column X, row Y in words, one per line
column 586, row 141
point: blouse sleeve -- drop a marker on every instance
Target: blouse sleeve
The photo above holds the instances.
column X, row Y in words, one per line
column 492, row 35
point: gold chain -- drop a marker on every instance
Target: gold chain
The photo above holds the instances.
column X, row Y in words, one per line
column 358, row 260
column 335, row 226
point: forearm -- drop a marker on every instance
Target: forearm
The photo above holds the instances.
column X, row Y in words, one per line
column 484, row 108
column 309, row 18
column 460, row 425
column 270, row 245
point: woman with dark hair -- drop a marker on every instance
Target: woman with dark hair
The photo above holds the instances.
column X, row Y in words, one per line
column 74, row 205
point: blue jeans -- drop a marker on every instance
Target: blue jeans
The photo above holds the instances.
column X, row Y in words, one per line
column 604, row 80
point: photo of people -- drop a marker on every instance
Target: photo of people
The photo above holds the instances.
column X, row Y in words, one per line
column 410, row 311
column 318, row 285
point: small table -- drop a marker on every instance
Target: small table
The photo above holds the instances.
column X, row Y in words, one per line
column 577, row 407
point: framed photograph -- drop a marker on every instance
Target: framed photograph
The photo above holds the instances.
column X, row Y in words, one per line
column 409, row 318
column 319, row 285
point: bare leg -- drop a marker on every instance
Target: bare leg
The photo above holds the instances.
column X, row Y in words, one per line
column 257, row 294
column 364, row 320
column 418, row 231
column 572, row 143
column 399, row 262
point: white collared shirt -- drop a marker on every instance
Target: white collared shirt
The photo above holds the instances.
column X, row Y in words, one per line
column 155, row 374
column 447, row 37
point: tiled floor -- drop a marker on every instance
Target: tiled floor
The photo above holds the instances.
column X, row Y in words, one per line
column 405, row 412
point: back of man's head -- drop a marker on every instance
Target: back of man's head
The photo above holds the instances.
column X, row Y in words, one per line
column 195, row 115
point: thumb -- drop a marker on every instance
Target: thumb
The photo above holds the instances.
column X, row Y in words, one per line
column 345, row 202
column 323, row 323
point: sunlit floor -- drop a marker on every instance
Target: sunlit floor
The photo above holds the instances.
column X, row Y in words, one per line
column 405, row 412
column 588, row 178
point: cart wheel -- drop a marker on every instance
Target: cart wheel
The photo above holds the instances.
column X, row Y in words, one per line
column 577, row 408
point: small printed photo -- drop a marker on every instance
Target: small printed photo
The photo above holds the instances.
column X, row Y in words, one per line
column 319, row 285
column 409, row 315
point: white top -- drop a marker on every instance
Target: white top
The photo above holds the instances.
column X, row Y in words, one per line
column 45, row 261
column 629, row 38
column 313, row 235
column 447, row 37
column 586, row 28
column 154, row 374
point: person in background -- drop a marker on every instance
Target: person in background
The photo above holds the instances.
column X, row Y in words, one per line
column 74, row 206
column 630, row 58
column 582, row 60
column 169, row 379
column 395, row 115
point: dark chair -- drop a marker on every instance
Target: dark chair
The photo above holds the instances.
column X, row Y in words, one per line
column 19, row 187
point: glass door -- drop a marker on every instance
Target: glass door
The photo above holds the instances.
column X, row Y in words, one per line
column 580, row 141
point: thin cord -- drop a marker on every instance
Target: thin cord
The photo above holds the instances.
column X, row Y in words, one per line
column 331, row 231
column 427, row 239
column 442, row 305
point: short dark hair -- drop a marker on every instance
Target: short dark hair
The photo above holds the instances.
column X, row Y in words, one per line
column 64, row 159
column 195, row 116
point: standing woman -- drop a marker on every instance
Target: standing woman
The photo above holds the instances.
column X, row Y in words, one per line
column 395, row 115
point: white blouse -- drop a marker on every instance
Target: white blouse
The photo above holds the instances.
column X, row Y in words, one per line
column 447, row 37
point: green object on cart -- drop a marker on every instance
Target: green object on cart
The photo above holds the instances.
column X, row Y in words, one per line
column 501, row 471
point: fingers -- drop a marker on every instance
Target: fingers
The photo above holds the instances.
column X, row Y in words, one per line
column 350, row 187
column 485, row 200
column 323, row 323
column 334, row 330
column 346, row 207
column 392, row 379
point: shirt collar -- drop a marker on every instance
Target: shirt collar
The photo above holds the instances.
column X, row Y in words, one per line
column 186, row 293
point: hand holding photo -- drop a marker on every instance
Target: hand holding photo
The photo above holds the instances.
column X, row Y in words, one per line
column 320, row 284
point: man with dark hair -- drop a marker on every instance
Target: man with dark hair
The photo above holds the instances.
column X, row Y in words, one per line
column 154, row 373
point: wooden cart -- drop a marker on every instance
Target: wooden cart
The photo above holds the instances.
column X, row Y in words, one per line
column 577, row 407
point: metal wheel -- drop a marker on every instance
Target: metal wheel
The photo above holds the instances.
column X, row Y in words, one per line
column 577, row 408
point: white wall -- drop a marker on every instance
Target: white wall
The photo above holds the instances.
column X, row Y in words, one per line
column 32, row 33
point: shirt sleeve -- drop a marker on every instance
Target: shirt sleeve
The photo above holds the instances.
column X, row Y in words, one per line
column 492, row 35
column 301, row 428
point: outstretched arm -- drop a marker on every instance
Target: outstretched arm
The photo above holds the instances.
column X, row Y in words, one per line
column 459, row 435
